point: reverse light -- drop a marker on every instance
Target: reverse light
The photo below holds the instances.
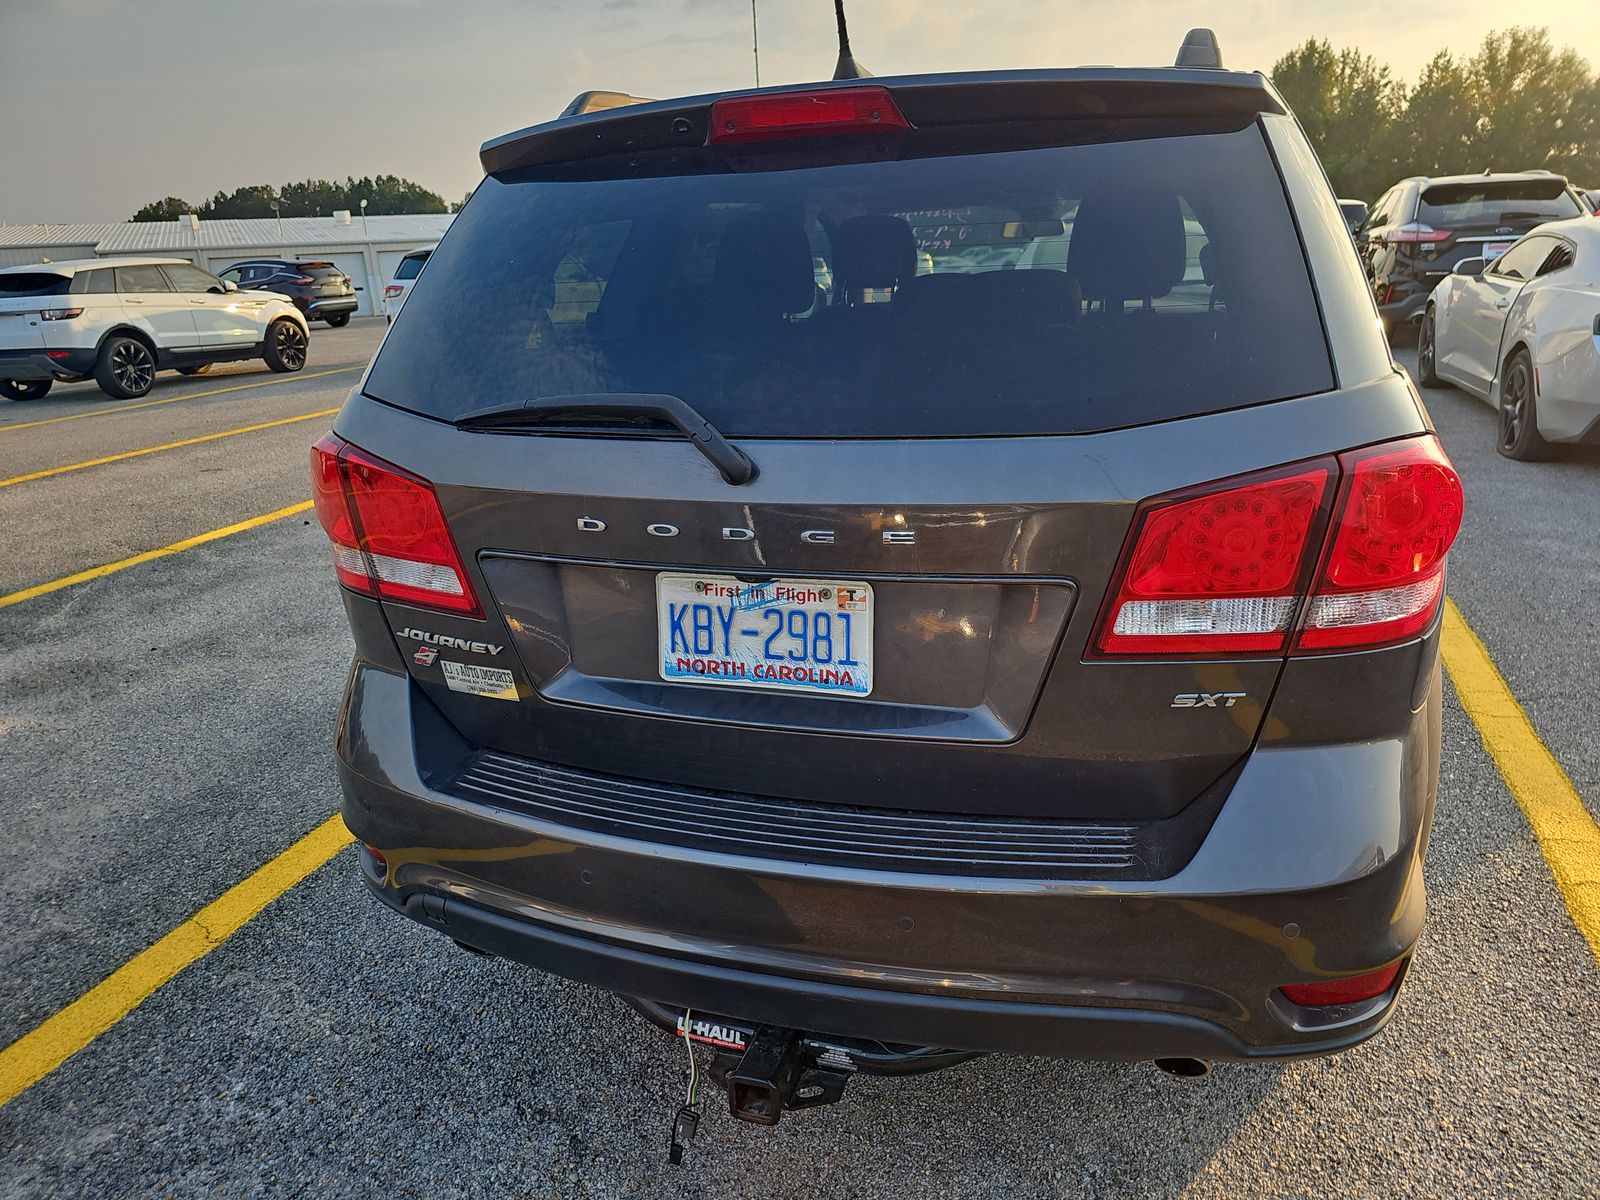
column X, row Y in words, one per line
column 60, row 314
column 1225, row 568
column 785, row 116
column 388, row 532
column 1352, row 989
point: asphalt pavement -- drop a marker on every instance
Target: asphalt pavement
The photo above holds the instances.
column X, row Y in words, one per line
column 167, row 729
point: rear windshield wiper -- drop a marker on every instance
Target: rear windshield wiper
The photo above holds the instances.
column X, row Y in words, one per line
column 733, row 464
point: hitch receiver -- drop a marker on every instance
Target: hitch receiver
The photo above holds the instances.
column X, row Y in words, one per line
column 774, row 1074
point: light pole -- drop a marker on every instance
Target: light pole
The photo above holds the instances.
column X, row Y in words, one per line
column 277, row 212
column 364, row 220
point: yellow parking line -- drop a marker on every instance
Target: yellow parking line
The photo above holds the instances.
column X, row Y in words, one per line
column 1566, row 833
column 122, row 408
column 66, row 581
column 37, row 1053
column 194, row 441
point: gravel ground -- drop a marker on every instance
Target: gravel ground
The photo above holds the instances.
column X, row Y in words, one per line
column 169, row 731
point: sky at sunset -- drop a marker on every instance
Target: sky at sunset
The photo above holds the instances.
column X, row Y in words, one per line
column 112, row 103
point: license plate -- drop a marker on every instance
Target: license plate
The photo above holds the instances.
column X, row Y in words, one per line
column 789, row 635
column 1494, row 250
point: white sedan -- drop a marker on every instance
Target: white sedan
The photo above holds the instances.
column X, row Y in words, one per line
column 1523, row 333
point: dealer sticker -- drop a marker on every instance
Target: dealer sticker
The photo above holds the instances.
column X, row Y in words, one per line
column 479, row 681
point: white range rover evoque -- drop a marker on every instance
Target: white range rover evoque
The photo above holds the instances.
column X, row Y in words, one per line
column 121, row 320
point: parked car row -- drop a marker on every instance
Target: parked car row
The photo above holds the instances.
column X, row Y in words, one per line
column 1499, row 274
column 1422, row 227
column 120, row 321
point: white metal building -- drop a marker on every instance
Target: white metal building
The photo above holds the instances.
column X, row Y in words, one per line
column 367, row 251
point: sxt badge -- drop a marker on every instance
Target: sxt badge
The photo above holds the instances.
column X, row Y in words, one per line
column 1207, row 699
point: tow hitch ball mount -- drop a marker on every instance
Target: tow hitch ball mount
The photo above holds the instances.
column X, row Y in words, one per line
column 777, row 1071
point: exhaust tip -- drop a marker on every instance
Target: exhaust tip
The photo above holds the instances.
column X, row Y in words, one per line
column 1184, row 1068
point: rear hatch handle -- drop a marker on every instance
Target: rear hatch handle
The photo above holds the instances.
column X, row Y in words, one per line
column 733, row 464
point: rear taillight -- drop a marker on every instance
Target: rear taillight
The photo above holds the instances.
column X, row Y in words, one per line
column 1352, row 989
column 1415, row 231
column 1382, row 579
column 1225, row 569
column 785, row 116
column 1218, row 572
column 392, row 290
column 388, row 532
column 60, row 314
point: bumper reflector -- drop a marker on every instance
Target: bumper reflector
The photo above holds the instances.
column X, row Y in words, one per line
column 1350, row 990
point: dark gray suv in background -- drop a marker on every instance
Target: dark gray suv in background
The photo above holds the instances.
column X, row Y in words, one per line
column 862, row 649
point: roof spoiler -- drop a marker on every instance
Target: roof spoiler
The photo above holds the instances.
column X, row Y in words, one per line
column 636, row 126
column 1200, row 50
column 588, row 102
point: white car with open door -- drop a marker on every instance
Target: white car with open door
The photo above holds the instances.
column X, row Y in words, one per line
column 1523, row 333
column 119, row 321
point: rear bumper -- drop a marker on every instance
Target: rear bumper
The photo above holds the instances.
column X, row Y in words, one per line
column 332, row 307
column 1313, row 868
column 30, row 364
column 992, row 1024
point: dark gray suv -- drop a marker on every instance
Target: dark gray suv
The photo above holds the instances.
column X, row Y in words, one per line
column 778, row 602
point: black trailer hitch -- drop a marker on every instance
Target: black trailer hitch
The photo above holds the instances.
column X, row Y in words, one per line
column 768, row 1070
column 777, row 1071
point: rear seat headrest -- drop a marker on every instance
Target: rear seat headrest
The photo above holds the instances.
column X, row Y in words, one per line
column 875, row 250
column 1127, row 243
column 763, row 265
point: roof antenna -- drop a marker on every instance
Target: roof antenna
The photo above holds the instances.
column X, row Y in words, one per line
column 848, row 67
column 1200, row 50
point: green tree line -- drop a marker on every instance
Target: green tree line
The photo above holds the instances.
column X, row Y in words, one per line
column 1516, row 104
column 387, row 194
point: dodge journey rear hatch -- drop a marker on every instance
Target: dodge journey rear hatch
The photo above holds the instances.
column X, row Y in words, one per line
column 943, row 563
column 888, row 600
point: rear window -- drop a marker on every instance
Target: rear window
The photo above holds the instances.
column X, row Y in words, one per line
column 321, row 270
column 1061, row 289
column 34, row 283
column 1495, row 201
column 409, row 266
